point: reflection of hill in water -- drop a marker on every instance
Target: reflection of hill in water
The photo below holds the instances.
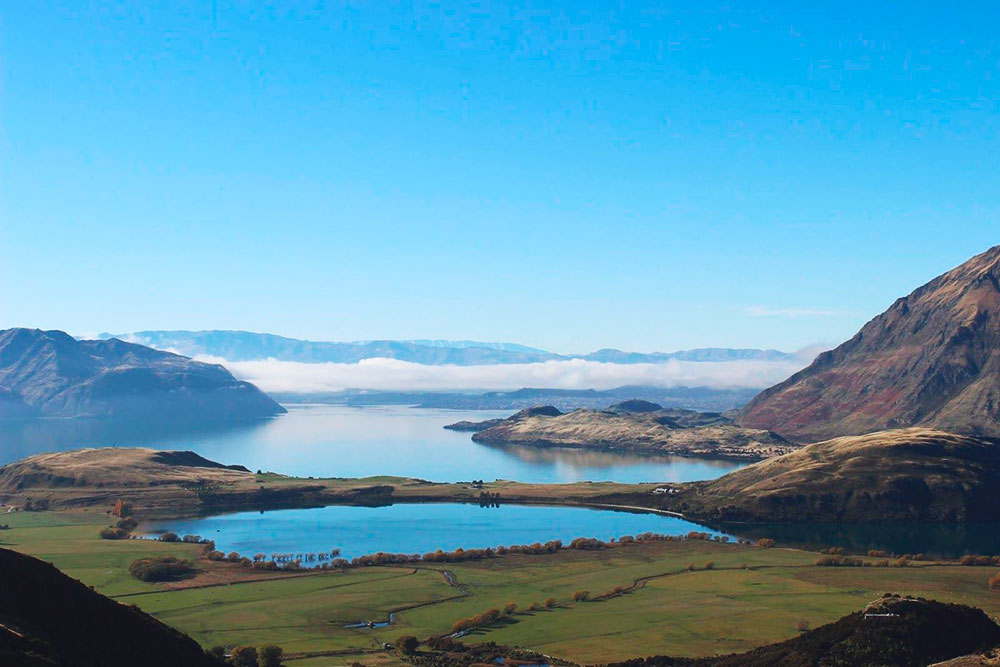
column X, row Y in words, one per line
column 900, row 538
column 583, row 458
column 27, row 437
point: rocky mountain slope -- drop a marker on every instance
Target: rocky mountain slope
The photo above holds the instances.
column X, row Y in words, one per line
column 51, row 374
column 911, row 474
column 48, row 619
column 632, row 425
column 932, row 359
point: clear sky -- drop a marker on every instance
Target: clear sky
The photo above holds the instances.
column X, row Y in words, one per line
column 565, row 175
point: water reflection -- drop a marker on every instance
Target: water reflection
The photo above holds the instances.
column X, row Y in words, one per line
column 340, row 441
column 900, row 538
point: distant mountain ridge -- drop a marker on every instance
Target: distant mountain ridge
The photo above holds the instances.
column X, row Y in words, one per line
column 250, row 346
column 51, row 374
column 932, row 359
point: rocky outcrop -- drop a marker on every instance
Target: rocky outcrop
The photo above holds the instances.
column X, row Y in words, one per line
column 51, row 374
column 932, row 359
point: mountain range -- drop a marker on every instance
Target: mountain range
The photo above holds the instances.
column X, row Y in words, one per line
column 249, row 346
column 932, row 359
column 51, row 374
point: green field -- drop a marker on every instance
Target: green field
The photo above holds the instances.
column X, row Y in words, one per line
column 752, row 596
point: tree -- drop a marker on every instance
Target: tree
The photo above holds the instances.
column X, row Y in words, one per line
column 580, row 596
column 121, row 508
column 270, row 656
column 113, row 533
column 765, row 542
column 169, row 537
column 509, row 608
column 408, row 644
column 550, row 602
column 245, row 656
column 709, row 565
column 217, row 652
column 995, row 582
column 802, row 626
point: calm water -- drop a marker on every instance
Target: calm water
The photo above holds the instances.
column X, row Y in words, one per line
column 338, row 441
column 902, row 538
column 417, row 528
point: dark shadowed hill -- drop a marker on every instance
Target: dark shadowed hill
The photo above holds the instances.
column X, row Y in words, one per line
column 49, row 619
column 893, row 631
column 931, row 359
column 903, row 475
column 51, row 374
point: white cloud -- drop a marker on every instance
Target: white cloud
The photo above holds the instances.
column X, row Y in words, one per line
column 394, row 375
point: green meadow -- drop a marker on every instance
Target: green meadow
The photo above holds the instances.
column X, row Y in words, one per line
column 671, row 603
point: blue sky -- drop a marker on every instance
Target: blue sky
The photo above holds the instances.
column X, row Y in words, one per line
column 562, row 175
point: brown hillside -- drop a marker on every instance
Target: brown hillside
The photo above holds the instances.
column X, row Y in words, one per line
column 904, row 475
column 932, row 359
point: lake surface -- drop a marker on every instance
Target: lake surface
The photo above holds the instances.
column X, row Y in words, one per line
column 340, row 441
column 414, row 528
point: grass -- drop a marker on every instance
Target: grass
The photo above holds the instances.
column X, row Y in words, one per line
column 752, row 596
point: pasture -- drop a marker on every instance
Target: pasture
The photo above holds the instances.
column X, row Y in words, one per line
column 750, row 596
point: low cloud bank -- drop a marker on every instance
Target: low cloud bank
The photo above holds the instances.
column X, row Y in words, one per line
column 394, row 375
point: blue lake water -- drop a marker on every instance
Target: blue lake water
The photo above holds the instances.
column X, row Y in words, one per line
column 340, row 441
column 414, row 528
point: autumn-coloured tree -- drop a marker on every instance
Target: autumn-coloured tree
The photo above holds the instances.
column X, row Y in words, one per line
column 995, row 582
column 408, row 644
column 580, row 596
column 550, row 602
column 765, row 542
column 245, row 656
column 121, row 508
column 709, row 565
column 509, row 608
column 802, row 626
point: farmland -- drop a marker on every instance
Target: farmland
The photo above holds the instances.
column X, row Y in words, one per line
column 669, row 601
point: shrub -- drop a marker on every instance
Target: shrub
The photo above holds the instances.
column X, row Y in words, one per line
column 217, row 652
column 534, row 606
column 550, row 602
column 995, row 582
column 765, row 542
column 709, row 565
column 160, row 568
column 802, row 626
column 191, row 539
column 877, row 553
column 902, row 562
column 407, row 644
column 980, row 561
column 270, row 656
column 113, row 533
column 580, row 596
column 126, row 523
column 509, row 608
column 245, row 656
column 172, row 537
column 691, row 567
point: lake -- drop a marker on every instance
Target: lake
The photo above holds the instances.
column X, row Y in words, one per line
column 414, row 528
column 340, row 441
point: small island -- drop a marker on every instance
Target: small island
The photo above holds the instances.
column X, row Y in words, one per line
column 632, row 425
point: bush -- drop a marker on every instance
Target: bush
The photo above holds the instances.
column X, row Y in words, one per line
column 877, row 553
column 980, row 561
column 245, row 656
column 709, row 565
column 509, row 608
column 191, row 539
column 995, row 582
column 802, row 626
column 126, row 523
column 765, row 542
column 169, row 537
column 160, row 568
column 113, row 533
column 580, row 596
column 550, row 602
column 270, row 656
column 407, row 644
column 534, row 606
